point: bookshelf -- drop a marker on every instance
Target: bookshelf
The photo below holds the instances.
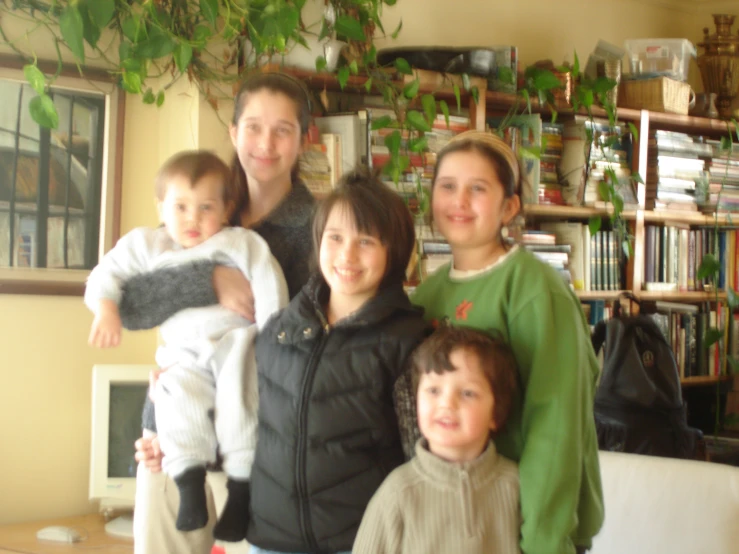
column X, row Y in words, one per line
column 492, row 103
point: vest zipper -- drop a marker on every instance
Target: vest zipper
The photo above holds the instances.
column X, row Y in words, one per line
column 301, row 477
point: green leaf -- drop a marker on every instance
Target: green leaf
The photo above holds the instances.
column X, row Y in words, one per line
column 712, row 336
column 353, row 67
column 411, row 89
column 457, row 96
column 726, row 144
column 131, row 82
column 35, row 78
column 527, row 98
column 392, row 141
column 428, row 102
column 637, row 178
column 72, row 28
column 604, row 191
column 732, row 298
column 618, row 204
column 101, row 11
column 627, row 249
column 475, row 92
column 182, row 56
column 343, row 76
column 546, row 80
column 576, row 67
column 149, row 96
column 466, row 81
column 156, row 46
column 381, row 122
column 709, row 267
column 417, row 121
column 320, row 63
column 594, row 224
column 733, row 370
column 160, row 98
column 368, row 85
column 403, row 66
column 419, row 144
column 200, row 35
column 396, row 32
column 209, row 10
column 445, row 110
column 350, row 28
column 506, row 75
column 43, row 111
column 634, row 131
column 133, row 29
column 90, row 29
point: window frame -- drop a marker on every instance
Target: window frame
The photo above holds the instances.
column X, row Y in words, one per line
column 71, row 282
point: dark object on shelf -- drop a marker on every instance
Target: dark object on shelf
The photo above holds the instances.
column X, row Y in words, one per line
column 497, row 64
column 640, row 389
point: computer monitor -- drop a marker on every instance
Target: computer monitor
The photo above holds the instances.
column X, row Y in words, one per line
column 118, row 395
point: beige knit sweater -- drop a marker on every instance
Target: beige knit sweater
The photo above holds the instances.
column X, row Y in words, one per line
column 430, row 506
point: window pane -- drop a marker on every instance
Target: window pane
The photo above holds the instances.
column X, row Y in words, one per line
column 75, row 243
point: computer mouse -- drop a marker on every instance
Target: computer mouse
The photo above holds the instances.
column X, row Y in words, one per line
column 58, row 533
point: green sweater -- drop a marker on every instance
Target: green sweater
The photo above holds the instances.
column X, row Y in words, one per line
column 551, row 430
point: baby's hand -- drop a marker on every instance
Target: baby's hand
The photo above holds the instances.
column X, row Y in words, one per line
column 106, row 327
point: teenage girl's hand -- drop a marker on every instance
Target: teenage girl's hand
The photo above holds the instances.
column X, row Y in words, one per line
column 148, row 452
column 106, row 327
column 233, row 291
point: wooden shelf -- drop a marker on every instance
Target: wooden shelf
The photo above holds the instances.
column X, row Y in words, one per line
column 678, row 296
column 689, row 217
column 702, row 380
column 598, row 294
column 573, row 212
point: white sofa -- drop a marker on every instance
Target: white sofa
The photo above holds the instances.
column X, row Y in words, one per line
column 667, row 506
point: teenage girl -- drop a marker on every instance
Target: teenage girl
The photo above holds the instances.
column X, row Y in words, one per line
column 268, row 130
column 328, row 433
column 490, row 285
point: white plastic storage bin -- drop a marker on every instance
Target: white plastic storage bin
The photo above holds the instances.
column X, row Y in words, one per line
column 660, row 57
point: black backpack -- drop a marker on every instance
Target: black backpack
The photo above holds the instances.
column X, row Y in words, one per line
column 638, row 403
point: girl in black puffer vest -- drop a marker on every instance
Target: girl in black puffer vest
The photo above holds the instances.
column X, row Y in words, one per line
column 328, row 429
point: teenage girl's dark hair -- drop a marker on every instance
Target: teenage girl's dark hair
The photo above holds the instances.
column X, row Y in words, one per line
column 378, row 211
column 194, row 165
column 495, row 357
column 274, row 82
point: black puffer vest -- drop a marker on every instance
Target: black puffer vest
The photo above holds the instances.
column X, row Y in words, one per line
column 328, row 432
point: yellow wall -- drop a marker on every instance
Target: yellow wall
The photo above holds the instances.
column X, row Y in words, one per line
column 45, row 404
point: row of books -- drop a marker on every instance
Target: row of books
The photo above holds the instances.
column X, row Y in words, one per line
column 673, row 256
column 685, row 328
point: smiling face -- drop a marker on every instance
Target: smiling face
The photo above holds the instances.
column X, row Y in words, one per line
column 267, row 138
column 469, row 208
column 455, row 408
column 192, row 214
column 352, row 263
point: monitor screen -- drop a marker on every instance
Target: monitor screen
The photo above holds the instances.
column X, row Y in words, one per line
column 118, row 395
column 124, row 426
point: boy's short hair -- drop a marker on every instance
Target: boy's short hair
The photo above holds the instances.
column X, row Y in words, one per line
column 377, row 210
column 495, row 357
column 193, row 165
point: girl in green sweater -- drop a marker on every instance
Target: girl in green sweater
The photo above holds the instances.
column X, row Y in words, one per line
column 489, row 285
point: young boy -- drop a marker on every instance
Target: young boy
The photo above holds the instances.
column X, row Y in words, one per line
column 208, row 352
column 457, row 494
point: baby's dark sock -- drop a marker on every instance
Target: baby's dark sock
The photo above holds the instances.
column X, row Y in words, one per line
column 232, row 524
column 193, row 512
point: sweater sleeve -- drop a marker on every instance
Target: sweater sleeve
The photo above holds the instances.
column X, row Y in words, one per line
column 149, row 299
column 264, row 274
column 553, row 354
column 381, row 530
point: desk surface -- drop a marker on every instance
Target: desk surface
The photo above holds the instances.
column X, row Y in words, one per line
column 21, row 537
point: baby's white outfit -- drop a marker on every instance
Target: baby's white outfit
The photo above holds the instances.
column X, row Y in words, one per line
column 207, row 397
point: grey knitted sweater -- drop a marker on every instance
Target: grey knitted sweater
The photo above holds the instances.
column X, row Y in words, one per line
column 150, row 299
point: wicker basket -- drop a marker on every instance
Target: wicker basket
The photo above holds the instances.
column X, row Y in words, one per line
column 660, row 95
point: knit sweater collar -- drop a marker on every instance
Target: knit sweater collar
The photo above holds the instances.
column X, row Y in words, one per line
column 291, row 211
column 449, row 474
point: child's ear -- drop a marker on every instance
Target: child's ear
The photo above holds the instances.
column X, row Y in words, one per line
column 511, row 208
